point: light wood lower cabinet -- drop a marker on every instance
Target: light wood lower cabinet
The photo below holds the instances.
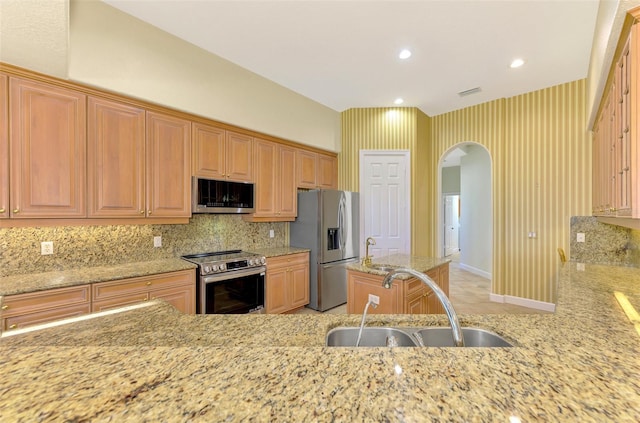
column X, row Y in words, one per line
column 408, row 296
column 287, row 283
column 21, row 310
column 177, row 288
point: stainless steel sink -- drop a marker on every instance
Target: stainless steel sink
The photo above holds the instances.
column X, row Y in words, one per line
column 383, row 267
column 473, row 337
column 411, row 337
column 371, row 337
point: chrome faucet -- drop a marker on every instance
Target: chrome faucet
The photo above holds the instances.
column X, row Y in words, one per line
column 458, row 340
column 366, row 261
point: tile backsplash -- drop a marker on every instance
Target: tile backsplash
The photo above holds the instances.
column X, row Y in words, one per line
column 604, row 243
column 83, row 246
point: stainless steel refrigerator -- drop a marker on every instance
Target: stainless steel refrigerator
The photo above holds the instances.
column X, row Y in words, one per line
column 328, row 224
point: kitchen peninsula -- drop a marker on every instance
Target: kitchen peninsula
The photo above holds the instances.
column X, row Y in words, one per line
column 156, row 364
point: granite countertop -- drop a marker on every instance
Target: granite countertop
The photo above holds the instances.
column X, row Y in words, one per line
column 155, row 364
column 32, row 282
column 19, row 284
column 279, row 251
column 420, row 264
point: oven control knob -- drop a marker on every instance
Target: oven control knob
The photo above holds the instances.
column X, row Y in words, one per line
column 263, row 260
column 223, row 267
column 252, row 262
column 207, row 269
column 215, row 268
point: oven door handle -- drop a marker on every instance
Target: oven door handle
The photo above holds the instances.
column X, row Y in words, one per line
column 221, row 277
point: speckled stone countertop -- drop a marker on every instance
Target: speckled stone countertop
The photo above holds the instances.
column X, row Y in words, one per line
column 32, row 282
column 278, row 251
column 155, row 364
column 420, row 264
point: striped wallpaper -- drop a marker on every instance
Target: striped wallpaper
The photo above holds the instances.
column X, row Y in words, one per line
column 541, row 170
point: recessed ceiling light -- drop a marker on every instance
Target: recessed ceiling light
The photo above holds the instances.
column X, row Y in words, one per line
column 398, row 101
column 517, row 63
column 404, row 54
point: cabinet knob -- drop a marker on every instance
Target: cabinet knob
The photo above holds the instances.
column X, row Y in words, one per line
column 141, row 211
column 4, row 307
column 149, row 283
column 2, row 210
column 13, row 326
column 16, row 210
column 149, row 212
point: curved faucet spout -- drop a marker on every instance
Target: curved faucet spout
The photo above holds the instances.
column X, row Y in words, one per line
column 458, row 340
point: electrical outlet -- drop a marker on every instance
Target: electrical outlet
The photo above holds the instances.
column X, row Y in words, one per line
column 46, row 248
column 374, row 299
column 271, row 233
column 157, row 241
column 580, row 237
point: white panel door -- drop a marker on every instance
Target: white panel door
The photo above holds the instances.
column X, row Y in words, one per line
column 385, row 202
column 451, row 224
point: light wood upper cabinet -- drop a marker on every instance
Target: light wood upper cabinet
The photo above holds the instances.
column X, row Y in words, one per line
column 116, row 159
column 4, row 147
column 168, row 151
column 316, row 170
column 276, row 194
column 221, row 154
column 48, row 150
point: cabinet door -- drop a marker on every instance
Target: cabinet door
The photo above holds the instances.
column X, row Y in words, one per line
column 4, row 147
column 360, row 285
column 306, row 169
column 266, row 169
column 299, row 285
column 48, row 150
column 116, row 138
column 168, row 166
column 275, row 290
column 287, row 192
column 327, row 172
column 208, row 151
column 416, row 304
column 183, row 298
column 239, row 164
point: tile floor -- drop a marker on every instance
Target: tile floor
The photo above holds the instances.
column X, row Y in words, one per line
column 469, row 294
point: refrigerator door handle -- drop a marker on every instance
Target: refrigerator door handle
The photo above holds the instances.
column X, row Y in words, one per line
column 339, row 263
column 342, row 221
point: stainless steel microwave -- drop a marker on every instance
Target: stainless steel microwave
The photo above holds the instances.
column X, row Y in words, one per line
column 216, row 196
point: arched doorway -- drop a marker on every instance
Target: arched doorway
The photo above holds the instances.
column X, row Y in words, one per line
column 465, row 195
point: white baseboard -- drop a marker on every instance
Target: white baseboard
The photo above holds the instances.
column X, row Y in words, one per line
column 524, row 302
column 475, row 271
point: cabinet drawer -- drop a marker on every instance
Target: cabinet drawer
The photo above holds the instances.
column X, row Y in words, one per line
column 288, row 260
column 119, row 301
column 13, row 305
column 414, row 286
column 105, row 290
column 44, row 316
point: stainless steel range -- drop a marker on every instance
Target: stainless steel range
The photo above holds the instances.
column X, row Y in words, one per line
column 229, row 282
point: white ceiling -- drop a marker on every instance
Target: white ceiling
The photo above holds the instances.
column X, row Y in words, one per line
column 343, row 54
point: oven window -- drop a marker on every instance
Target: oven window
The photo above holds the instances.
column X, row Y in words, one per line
column 235, row 296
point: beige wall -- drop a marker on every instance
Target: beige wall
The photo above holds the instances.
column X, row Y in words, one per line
column 541, row 168
column 33, row 34
column 90, row 42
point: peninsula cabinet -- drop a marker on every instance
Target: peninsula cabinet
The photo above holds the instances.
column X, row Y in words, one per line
column 177, row 288
column 47, row 144
column 287, row 283
column 315, row 170
column 116, row 159
column 616, row 132
column 221, row 154
column 4, row 147
column 22, row 310
column 276, row 194
column 168, row 154
column 406, row 296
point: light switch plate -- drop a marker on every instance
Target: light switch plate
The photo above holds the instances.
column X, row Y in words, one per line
column 580, row 237
column 46, row 248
